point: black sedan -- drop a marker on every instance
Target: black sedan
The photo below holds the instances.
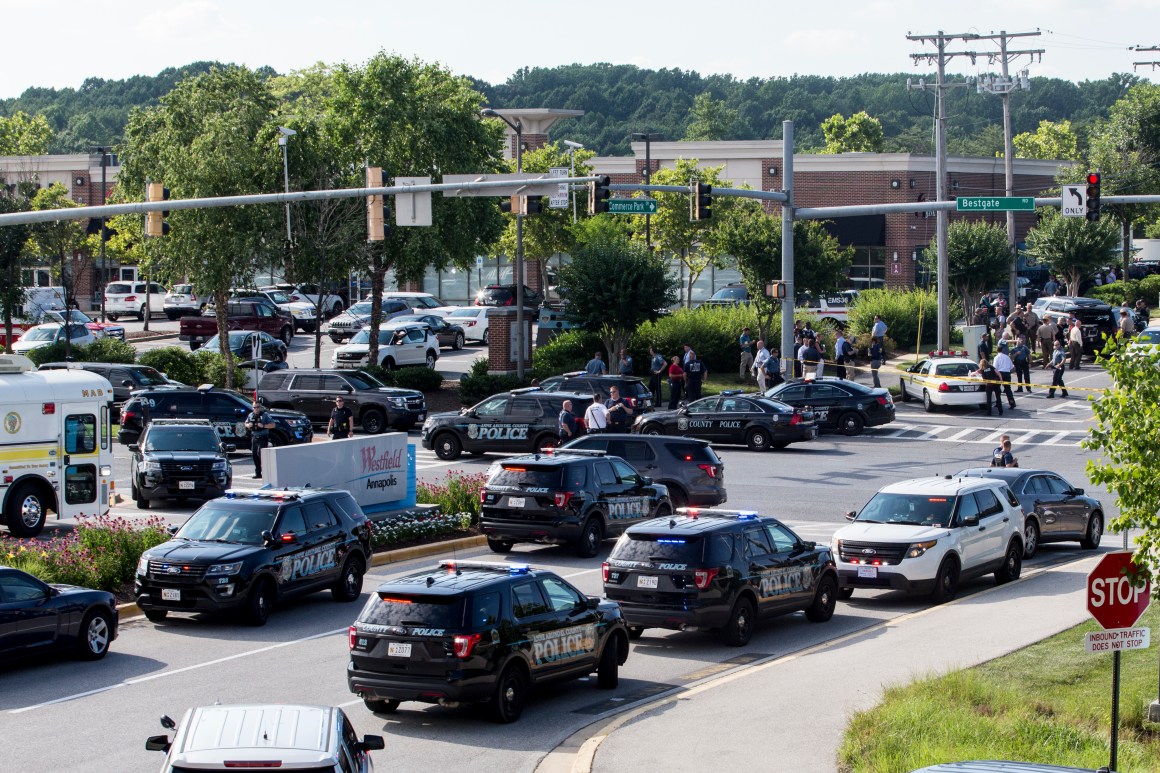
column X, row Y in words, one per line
column 36, row 617
column 838, row 405
column 448, row 333
column 1053, row 509
column 241, row 343
column 730, row 417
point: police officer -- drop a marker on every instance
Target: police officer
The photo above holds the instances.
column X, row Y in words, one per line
column 619, row 411
column 340, row 420
column 259, row 427
column 568, row 425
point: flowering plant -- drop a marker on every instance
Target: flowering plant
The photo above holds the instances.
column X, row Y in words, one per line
column 458, row 493
column 413, row 526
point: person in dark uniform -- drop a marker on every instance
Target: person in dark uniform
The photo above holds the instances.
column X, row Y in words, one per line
column 259, row 426
column 341, row 419
column 619, row 411
column 568, row 424
column 695, row 372
column 991, row 384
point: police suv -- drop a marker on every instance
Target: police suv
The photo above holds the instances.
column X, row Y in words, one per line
column 566, row 497
column 469, row 631
column 245, row 552
column 518, row 421
column 717, row 570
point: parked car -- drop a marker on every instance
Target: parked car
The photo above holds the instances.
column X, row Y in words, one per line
column 420, row 302
column 758, row 422
column 304, row 313
column 183, row 299
column 125, row 378
column 632, row 388
column 505, row 295
column 1095, row 317
column 254, row 313
column 474, row 321
column 52, row 333
column 308, row 293
column 838, row 404
column 225, row 409
column 78, row 317
column 942, row 379
column 130, row 299
column 448, row 333
column 398, row 347
column 241, row 343
column 344, row 326
column 375, row 406
column 36, row 617
column 734, row 294
column 178, row 459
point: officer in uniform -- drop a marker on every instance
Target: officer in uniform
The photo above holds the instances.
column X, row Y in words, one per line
column 619, row 411
column 259, row 427
column 340, row 420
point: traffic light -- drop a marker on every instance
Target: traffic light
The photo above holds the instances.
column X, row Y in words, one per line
column 155, row 224
column 509, row 205
column 378, row 211
column 701, row 205
column 1093, row 196
column 533, row 205
column 598, row 194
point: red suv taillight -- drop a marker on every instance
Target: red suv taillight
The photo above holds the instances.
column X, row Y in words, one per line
column 465, row 643
column 482, row 497
column 128, row 415
column 702, row 577
column 710, row 469
column 944, row 387
column 563, row 498
column 604, row 571
column 130, row 298
column 351, row 636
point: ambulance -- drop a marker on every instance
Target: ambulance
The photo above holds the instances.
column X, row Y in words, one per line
column 56, row 451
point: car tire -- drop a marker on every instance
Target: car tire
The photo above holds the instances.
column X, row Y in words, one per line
column 286, row 334
column 1094, row 531
column 156, row 615
column 903, row 395
column 337, row 339
column 1012, row 564
column 1030, row 537
column 194, row 346
column 25, row 511
column 757, row 440
column 845, row 594
column 486, row 338
column 173, row 316
column 927, row 404
column 652, row 429
column 350, row 580
column 608, row 671
column 447, row 446
column 336, row 309
column 946, row 582
column 141, row 502
column 96, row 634
column 635, row 632
column 499, row 545
column 432, row 358
column 259, row 604
column 544, row 442
column 507, row 703
column 591, row 536
column 739, row 630
column 388, row 363
column 141, row 313
column 851, row 423
column 379, row 706
column 112, row 317
column 459, row 342
column 825, row 601
column 279, row 356
column 373, row 421
column 677, row 496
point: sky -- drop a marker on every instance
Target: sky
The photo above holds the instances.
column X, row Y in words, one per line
column 67, row 41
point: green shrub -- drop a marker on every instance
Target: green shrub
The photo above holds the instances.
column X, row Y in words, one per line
column 1120, row 293
column 711, row 331
column 423, row 379
column 101, row 350
column 900, row 310
column 53, row 353
column 571, row 350
column 479, row 384
column 212, row 369
column 381, row 373
column 458, row 493
column 174, row 361
column 1149, row 290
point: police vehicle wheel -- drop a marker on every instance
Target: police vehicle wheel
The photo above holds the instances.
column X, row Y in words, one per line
column 350, row 580
column 903, row 395
column 851, row 423
column 651, row 429
column 608, row 672
column 373, row 422
column 663, row 510
column 459, row 341
column 635, row 632
column 677, row 495
column 431, row 358
column 156, row 615
column 499, row 545
column 845, row 594
column 946, row 583
column 1095, row 530
column 739, row 629
column 287, row 335
column 757, row 440
column 1012, row 564
column 1030, row 537
column 96, row 635
column 590, row 538
column 546, row 441
column 927, row 405
column 510, row 691
column 825, row 600
column 259, row 604
column 381, row 706
column 448, row 447
column 26, row 511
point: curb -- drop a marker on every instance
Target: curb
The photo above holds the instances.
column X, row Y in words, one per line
column 150, row 337
column 131, row 610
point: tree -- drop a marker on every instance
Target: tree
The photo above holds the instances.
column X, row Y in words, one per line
column 24, row 135
column 710, row 119
column 1072, row 247
column 416, row 119
column 213, row 135
column 614, row 284
column 978, row 255
column 859, row 133
column 1051, row 141
column 12, row 239
column 59, row 241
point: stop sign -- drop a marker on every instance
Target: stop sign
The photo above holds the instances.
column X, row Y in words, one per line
column 1112, row 598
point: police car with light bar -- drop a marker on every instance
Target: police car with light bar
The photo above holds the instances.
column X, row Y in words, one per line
column 480, row 632
column 943, row 378
column 245, row 552
column 718, row 570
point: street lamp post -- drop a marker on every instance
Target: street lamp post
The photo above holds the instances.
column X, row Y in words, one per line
column 283, row 140
column 647, row 138
column 572, row 148
column 518, row 128
column 104, row 264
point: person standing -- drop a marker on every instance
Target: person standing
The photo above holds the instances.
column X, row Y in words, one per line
column 1047, row 335
column 985, row 344
column 1127, row 326
column 746, row 344
column 1004, row 366
column 811, row 358
column 596, row 366
column 1112, row 275
column 1075, row 345
column 567, row 419
column 1051, row 287
column 877, row 354
column 840, row 355
column 341, row 419
column 259, row 426
column 596, row 417
column 624, row 364
column 772, row 369
column 688, row 353
column 879, row 329
column 759, row 365
column 1031, row 322
column 676, row 382
column 695, row 373
column 1021, row 358
column 1058, row 363
column 991, row 383
column 657, row 368
column 618, row 411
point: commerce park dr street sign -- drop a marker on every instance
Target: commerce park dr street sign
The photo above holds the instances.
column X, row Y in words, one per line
column 632, row 206
column 995, row 204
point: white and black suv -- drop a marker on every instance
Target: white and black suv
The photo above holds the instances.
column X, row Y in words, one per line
column 926, row 535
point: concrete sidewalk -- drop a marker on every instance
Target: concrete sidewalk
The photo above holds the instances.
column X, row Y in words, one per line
column 795, row 709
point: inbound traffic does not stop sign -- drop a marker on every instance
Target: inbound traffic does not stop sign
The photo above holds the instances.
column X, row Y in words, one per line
column 1115, row 596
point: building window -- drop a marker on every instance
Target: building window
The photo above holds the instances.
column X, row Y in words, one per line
column 868, row 269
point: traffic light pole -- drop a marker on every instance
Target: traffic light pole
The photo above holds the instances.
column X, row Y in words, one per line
column 787, row 256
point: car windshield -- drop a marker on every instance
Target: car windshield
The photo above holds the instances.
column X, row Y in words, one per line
column 277, row 296
column 1150, row 337
column 412, row 609
column 465, row 314
column 41, row 334
column 913, row 509
column 74, row 315
column 361, row 309
column 363, row 380
column 218, row 522
column 118, row 289
column 776, row 405
column 168, row 439
column 731, row 294
column 148, row 377
column 519, row 476
column 236, row 339
column 182, row 289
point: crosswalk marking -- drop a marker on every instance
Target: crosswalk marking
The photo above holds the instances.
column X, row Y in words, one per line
column 975, row 435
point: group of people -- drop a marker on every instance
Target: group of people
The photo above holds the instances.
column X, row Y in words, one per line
column 611, row 415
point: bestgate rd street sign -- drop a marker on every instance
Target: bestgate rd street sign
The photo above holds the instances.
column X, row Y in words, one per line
column 633, row 206
column 995, row 204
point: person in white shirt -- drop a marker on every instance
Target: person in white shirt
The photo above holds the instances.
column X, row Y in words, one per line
column 879, row 329
column 759, row 364
column 1004, row 364
column 596, row 417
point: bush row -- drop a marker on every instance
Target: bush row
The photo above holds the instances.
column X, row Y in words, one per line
column 901, row 310
column 1125, row 292
column 422, row 379
column 414, row 526
column 102, row 350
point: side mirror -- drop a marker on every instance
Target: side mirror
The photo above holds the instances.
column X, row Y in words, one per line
column 372, row 743
column 971, row 521
column 230, row 448
column 593, row 602
column 168, row 723
column 349, row 390
column 157, row 743
column 172, row 528
column 267, row 538
column 288, row 538
column 1076, row 492
column 134, row 447
column 851, row 514
column 127, row 382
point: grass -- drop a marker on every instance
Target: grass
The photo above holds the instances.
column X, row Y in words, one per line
column 1047, row 703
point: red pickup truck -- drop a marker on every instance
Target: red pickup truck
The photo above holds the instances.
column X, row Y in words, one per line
column 242, row 314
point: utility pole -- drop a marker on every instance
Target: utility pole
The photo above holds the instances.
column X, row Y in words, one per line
column 787, row 256
column 1152, row 65
column 1003, row 87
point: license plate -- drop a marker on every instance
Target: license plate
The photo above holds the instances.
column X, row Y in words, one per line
column 515, row 501
column 969, row 387
column 185, row 484
column 170, row 594
column 869, row 572
column 399, row 649
column 646, row 581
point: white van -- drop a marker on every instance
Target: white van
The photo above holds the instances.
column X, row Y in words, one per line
column 129, row 298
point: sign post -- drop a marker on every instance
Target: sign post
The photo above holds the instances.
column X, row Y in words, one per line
column 1116, row 597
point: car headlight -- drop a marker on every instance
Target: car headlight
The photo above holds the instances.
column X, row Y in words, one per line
column 142, row 566
column 232, row 568
column 152, row 466
column 918, row 548
column 220, row 465
column 298, row 422
column 401, row 402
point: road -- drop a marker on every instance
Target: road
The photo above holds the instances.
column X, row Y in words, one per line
column 108, row 708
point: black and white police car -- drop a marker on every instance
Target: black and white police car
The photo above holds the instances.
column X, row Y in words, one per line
column 758, row 422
